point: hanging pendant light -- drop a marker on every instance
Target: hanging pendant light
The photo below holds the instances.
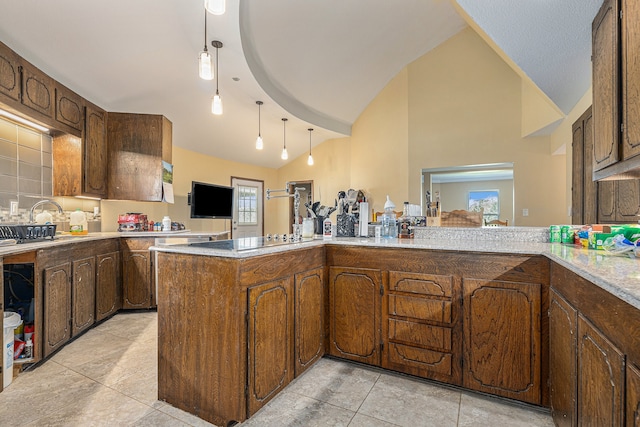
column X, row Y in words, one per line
column 205, row 68
column 284, row 155
column 310, row 158
column 216, row 103
column 259, row 143
column 215, row 7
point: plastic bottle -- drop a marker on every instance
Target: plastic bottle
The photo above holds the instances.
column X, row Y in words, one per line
column 78, row 222
column 166, row 224
column 326, row 228
column 389, row 225
column 28, row 349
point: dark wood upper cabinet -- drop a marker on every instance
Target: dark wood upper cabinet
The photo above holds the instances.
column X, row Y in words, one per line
column 137, row 145
column 37, row 90
column 616, row 90
column 630, row 49
column 583, row 190
column 94, row 151
column 9, row 73
column 69, row 108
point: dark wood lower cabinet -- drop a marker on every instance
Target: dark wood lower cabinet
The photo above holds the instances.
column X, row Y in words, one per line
column 633, row 395
column 502, row 338
column 57, row 307
column 563, row 335
column 309, row 318
column 270, row 331
column 137, row 277
column 83, row 296
column 355, row 295
column 601, row 369
column 108, row 288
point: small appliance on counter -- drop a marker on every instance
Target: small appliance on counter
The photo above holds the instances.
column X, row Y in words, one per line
column 132, row 222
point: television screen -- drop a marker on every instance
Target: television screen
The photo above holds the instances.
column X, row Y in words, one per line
column 211, row 201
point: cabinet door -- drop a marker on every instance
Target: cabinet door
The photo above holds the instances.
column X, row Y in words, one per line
column 37, row 90
column 590, row 187
column 606, row 201
column 563, row 333
column 355, row 314
column 627, row 200
column 57, row 307
column 9, row 73
column 95, row 152
column 600, row 379
column 69, row 108
column 577, row 174
column 605, row 62
column 83, row 297
column 633, row 396
column 270, row 331
column 502, row 338
column 108, row 298
column 309, row 318
column 630, row 46
column 136, row 279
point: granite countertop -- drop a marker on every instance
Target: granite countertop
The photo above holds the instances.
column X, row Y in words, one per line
column 618, row 275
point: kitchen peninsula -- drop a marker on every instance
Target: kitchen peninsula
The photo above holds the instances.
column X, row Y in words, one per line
column 500, row 317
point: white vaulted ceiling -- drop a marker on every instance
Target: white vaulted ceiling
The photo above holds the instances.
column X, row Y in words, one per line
column 317, row 63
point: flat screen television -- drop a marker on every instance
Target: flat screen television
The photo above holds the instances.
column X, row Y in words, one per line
column 211, row 201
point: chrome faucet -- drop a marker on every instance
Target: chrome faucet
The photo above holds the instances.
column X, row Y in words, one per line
column 40, row 203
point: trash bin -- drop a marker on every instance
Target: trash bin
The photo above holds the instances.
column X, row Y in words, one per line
column 11, row 321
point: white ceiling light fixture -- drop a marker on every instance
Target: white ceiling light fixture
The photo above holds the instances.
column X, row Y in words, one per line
column 259, row 142
column 216, row 103
column 215, row 7
column 310, row 158
column 284, row 155
column 205, row 67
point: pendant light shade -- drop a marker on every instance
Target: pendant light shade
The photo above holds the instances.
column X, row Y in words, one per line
column 205, row 65
column 284, row 155
column 216, row 102
column 259, row 143
column 215, row 7
column 310, row 158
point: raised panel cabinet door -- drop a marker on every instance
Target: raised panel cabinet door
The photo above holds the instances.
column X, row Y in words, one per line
column 590, row 187
column 83, row 296
column 69, row 108
column 37, row 90
column 630, row 47
column 95, row 152
column 633, row 395
column 309, row 318
column 606, row 201
column 136, row 279
column 57, row 307
column 108, row 298
column 270, row 334
column 600, row 378
column 355, row 311
column 502, row 338
column 577, row 174
column 628, row 200
column 9, row 73
column 563, row 335
column 605, row 65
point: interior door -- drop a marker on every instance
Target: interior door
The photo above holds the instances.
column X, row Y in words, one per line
column 248, row 213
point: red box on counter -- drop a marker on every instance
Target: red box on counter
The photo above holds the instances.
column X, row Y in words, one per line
column 136, row 218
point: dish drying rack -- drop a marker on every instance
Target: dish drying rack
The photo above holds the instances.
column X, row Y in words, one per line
column 27, row 232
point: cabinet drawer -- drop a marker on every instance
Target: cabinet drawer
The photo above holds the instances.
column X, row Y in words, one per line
column 420, row 283
column 420, row 358
column 420, row 334
column 420, row 308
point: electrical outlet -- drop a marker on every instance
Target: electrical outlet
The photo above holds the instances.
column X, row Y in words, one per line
column 525, row 212
column 14, row 208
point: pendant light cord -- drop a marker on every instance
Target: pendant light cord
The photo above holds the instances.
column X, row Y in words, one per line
column 205, row 30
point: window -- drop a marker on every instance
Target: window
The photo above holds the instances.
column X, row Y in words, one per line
column 247, row 205
column 489, row 200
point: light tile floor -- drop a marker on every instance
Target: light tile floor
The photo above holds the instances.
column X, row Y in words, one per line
column 108, row 377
